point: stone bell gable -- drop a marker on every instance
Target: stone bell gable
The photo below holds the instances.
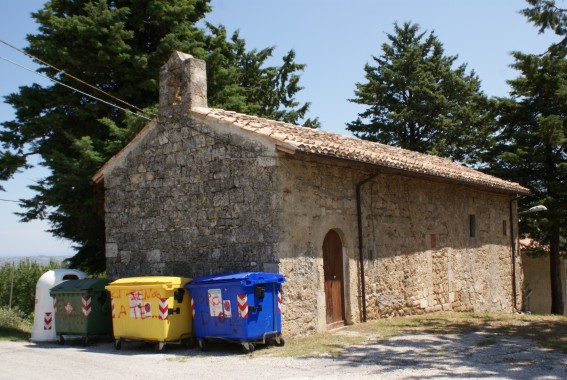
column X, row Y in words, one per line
column 361, row 230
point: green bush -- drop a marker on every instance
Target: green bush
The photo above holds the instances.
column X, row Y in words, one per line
column 13, row 319
column 25, row 275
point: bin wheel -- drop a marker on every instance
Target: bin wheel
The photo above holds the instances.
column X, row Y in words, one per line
column 202, row 345
column 61, row 340
column 248, row 347
column 160, row 346
column 280, row 341
column 189, row 343
column 84, row 341
column 117, row 344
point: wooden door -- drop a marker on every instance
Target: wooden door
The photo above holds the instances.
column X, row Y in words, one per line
column 334, row 284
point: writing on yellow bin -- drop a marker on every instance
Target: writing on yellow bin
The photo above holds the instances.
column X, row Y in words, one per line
column 154, row 308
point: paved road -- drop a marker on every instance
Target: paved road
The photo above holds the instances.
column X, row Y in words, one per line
column 421, row 356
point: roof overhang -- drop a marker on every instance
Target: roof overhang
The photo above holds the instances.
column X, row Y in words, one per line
column 300, row 154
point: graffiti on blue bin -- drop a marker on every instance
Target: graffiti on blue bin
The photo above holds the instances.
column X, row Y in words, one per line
column 217, row 311
column 205, row 319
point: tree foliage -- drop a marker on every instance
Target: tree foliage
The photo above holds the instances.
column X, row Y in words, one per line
column 531, row 148
column 418, row 101
column 118, row 46
column 547, row 15
column 25, row 275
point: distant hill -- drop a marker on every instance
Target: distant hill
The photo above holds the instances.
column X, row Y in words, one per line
column 41, row 260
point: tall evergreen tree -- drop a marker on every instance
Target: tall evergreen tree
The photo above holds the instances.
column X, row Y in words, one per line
column 118, row 46
column 417, row 100
column 532, row 140
column 532, row 150
column 547, row 15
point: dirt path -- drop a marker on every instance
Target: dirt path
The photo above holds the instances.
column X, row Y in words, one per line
column 420, row 356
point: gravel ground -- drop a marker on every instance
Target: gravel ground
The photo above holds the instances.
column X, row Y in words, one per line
column 420, row 356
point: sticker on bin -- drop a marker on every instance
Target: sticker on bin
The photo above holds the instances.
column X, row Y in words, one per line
column 226, row 309
column 279, row 301
column 147, row 310
column 135, row 304
column 243, row 306
column 215, row 302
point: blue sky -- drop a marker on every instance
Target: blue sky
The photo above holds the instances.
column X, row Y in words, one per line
column 334, row 38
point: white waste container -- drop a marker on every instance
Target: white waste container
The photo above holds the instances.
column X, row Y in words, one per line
column 43, row 329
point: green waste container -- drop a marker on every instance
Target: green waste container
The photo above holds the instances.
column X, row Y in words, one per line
column 82, row 309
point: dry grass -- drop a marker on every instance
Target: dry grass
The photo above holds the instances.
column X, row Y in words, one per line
column 547, row 330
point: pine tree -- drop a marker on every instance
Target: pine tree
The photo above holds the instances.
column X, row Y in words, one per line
column 532, row 140
column 547, row 15
column 118, row 46
column 418, row 101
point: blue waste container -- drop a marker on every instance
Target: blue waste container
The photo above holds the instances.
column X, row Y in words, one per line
column 240, row 307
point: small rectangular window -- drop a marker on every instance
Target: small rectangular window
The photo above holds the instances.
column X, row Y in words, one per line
column 433, row 241
column 504, row 228
column 472, row 225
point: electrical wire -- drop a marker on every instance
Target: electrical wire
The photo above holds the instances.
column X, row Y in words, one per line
column 77, row 79
column 9, row 200
column 74, row 89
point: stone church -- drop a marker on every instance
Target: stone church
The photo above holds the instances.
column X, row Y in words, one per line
column 360, row 230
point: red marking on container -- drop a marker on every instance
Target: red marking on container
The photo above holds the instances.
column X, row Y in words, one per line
column 242, row 305
column 87, row 309
column 48, row 321
column 163, row 309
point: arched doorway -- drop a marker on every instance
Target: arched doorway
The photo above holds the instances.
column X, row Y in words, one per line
column 334, row 282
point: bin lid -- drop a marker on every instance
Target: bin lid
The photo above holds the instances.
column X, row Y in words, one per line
column 243, row 278
column 149, row 280
column 83, row 285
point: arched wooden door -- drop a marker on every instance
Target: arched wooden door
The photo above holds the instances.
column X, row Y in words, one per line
column 334, row 283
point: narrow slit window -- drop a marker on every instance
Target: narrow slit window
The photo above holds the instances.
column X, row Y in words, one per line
column 504, row 228
column 472, row 225
column 433, row 242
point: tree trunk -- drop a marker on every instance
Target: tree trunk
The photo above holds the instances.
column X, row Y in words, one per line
column 555, row 272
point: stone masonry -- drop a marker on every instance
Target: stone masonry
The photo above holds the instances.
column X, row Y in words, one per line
column 404, row 274
column 191, row 202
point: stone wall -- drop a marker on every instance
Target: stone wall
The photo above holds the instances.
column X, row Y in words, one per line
column 191, row 199
column 424, row 259
column 315, row 199
column 419, row 255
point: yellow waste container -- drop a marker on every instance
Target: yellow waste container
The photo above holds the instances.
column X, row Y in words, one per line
column 153, row 309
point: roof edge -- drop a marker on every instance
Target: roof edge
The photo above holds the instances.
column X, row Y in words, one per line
column 99, row 175
column 519, row 190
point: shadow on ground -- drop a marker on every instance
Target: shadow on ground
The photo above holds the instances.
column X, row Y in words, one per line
column 487, row 348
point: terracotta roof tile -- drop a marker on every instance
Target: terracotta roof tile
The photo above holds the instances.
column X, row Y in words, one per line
column 319, row 142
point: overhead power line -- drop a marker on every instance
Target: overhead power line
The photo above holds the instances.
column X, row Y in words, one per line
column 76, row 79
column 74, row 89
column 9, row 200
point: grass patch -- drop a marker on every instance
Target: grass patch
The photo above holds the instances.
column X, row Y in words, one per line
column 547, row 330
column 14, row 334
column 314, row 345
column 14, row 324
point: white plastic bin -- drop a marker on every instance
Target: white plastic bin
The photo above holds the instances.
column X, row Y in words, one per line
column 43, row 329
